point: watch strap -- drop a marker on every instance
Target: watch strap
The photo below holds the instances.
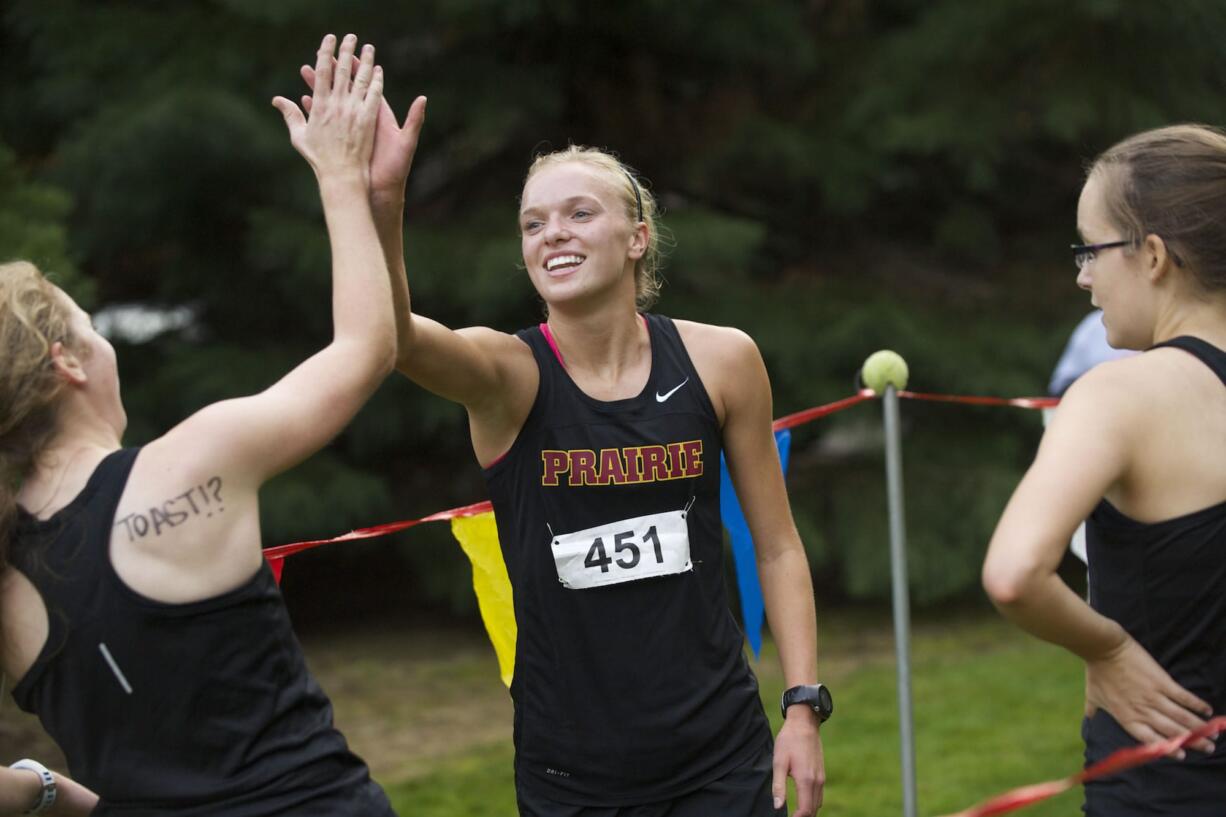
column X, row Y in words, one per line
column 811, row 695
column 47, row 796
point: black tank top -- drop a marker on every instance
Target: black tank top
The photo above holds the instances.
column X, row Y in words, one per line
column 630, row 680
column 189, row 709
column 1165, row 583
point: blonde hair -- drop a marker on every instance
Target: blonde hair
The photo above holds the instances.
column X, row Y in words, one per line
column 1171, row 182
column 639, row 203
column 34, row 314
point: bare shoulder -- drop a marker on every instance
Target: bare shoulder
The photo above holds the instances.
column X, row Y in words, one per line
column 1171, row 368
column 1115, row 397
column 1138, row 382
column 1105, row 387
column 504, row 347
column 724, row 345
column 515, row 375
column 474, row 366
column 729, row 364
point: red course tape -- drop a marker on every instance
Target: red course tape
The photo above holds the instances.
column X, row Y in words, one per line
column 1001, row 804
column 276, row 555
column 1117, row 762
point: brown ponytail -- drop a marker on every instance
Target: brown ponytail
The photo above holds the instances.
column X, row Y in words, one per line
column 1171, row 182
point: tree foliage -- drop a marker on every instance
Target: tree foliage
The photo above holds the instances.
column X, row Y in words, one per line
column 839, row 175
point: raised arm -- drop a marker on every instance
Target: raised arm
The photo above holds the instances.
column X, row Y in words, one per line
column 252, row 438
column 490, row 373
column 474, row 367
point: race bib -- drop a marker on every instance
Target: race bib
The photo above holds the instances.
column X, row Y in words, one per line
column 625, row 551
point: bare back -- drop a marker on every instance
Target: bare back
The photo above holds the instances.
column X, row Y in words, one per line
column 1178, row 439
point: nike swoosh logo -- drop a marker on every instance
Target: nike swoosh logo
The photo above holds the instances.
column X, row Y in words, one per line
column 660, row 398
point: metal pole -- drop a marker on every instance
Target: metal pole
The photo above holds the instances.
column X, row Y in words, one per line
column 902, row 616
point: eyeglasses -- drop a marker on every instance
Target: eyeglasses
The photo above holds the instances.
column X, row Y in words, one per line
column 1085, row 253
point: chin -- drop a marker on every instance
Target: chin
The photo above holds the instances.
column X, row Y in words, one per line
column 1119, row 341
column 564, row 295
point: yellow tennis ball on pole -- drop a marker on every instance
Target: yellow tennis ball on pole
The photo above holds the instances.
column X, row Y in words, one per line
column 884, row 368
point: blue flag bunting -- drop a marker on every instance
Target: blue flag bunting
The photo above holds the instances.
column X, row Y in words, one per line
column 752, row 608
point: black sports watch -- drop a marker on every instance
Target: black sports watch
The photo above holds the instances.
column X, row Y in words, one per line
column 816, row 696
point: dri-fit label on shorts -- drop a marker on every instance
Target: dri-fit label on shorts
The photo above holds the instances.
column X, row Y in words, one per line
column 625, row 551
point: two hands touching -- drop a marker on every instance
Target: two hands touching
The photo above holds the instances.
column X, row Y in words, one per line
column 347, row 122
column 337, row 138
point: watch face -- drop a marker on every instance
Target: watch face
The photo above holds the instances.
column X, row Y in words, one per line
column 824, row 700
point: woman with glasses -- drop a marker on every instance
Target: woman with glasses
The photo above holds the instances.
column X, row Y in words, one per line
column 1138, row 446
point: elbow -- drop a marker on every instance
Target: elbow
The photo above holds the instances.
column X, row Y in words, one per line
column 1006, row 583
column 1002, row 590
column 370, row 358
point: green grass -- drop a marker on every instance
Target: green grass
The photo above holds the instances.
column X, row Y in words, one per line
column 993, row 709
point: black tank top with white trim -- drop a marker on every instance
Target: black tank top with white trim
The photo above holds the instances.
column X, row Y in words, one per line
column 630, row 681
column 1165, row 583
column 192, row 709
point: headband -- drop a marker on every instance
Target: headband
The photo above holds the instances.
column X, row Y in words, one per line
column 638, row 197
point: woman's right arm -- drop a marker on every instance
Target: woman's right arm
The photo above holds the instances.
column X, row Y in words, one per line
column 1086, row 450
column 489, row 372
column 250, row 439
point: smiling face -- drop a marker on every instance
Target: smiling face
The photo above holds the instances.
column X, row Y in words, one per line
column 1116, row 278
column 577, row 242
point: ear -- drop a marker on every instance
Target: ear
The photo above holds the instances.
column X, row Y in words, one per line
column 1156, row 257
column 639, row 240
column 67, row 365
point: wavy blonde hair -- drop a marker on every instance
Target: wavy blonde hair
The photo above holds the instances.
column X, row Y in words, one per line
column 34, row 315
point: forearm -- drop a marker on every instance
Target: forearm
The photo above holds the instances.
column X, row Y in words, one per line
column 1045, row 607
column 388, row 208
column 19, row 789
column 787, row 591
column 72, row 799
column 360, row 288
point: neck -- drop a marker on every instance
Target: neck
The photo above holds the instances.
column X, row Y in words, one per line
column 1203, row 316
column 605, row 341
column 65, row 463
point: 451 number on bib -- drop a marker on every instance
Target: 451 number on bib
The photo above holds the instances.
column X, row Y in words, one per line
column 625, row 551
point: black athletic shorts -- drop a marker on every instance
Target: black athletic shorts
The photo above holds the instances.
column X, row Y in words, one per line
column 743, row 792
